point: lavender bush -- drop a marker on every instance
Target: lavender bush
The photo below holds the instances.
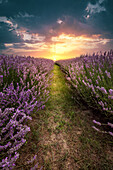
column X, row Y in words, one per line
column 23, row 87
column 92, row 77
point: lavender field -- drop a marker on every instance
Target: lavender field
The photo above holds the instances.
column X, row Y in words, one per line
column 92, row 77
column 25, row 88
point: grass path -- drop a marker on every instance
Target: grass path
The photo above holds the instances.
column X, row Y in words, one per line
column 67, row 141
column 62, row 134
column 57, row 142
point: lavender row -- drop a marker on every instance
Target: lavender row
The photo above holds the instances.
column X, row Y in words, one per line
column 23, row 88
column 92, row 77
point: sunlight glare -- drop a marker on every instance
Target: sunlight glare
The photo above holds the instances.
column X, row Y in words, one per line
column 54, row 58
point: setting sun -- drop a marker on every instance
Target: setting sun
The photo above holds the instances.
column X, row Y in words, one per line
column 57, row 57
column 54, row 58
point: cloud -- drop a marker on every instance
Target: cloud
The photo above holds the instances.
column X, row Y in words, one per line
column 92, row 9
column 25, row 47
column 24, row 15
column 21, row 32
column 3, row 1
column 73, row 46
column 59, row 21
column 12, row 33
column 67, row 43
column 71, row 25
column 101, row 1
column 30, row 22
column 12, row 25
column 29, row 37
column 7, row 34
column 62, row 44
column 8, row 30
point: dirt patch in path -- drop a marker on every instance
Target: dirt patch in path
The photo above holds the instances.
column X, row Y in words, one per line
column 59, row 148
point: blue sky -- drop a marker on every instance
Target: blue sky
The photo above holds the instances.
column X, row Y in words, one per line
column 59, row 28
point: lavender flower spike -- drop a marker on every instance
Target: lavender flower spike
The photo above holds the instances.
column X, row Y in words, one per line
column 111, row 133
column 110, row 124
column 98, row 123
column 95, row 128
column 103, row 90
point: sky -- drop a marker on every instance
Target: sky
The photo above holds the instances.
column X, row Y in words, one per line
column 55, row 29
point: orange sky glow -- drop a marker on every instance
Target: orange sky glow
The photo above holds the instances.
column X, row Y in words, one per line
column 59, row 29
column 63, row 46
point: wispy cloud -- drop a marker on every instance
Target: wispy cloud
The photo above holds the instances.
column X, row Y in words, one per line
column 101, row 1
column 66, row 43
column 24, row 15
column 3, row 1
column 61, row 44
column 94, row 8
column 9, row 22
column 32, row 37
column 59, row 21
column 26, row 47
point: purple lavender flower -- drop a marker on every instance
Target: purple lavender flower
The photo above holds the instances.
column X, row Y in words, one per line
column 99, row 77
column 1, row 76
column 110, row 97
column 108, row 74
column 111, row 91
column 101, row 103
column 97, row 81
column 98, row 123
column 110, row 124
column 43, row 106
column 103, row 90
column 95, row 128
column 111, row 133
